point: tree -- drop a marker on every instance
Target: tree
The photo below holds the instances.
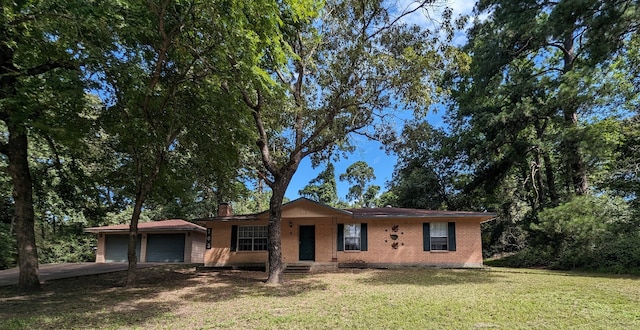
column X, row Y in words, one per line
column 624, row 176
column 546, row 61
column 359, row 174
column 165, row 72
column 322, row 188
column 536, row 113
column 370, row 196
column 349, row 67
column 427, row 173
column 41, row 94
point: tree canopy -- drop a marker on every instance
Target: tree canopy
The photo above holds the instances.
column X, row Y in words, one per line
column 120, row 112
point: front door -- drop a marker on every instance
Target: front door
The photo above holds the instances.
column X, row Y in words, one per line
column 307, row 243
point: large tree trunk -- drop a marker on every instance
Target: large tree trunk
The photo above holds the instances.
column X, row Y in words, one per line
column 141, row 195
column 551, row 191
column 275, row 244
column 278, row 188
column 132, row 258
column 17, row 153
column 575, row 164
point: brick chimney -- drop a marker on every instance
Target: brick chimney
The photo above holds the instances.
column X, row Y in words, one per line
column 225, row 210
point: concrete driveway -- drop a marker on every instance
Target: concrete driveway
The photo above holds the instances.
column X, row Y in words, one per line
column 66, row 270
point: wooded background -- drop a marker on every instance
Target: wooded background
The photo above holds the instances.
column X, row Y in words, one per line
column 126, row 111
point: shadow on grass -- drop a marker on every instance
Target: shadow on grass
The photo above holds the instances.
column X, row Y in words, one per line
column 98, row 301
column 229, row 285
column 431, row 277
column 92, row 301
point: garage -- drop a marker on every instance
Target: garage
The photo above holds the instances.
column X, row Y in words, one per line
column 174, row 240
column 165, row 247
column 116, row 247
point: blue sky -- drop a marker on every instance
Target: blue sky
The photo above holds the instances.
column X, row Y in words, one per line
column 373, row 152
column 368, row 151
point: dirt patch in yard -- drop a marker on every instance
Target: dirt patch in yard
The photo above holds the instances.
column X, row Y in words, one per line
column 98, row 301
column 179, row 297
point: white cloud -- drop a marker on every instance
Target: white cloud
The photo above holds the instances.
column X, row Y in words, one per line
column 461, row 7
column 432, row 15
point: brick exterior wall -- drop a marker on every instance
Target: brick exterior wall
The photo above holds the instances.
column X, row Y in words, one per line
column 409, row 251
column 196, row 244
column 220, row 253
column 100, row 250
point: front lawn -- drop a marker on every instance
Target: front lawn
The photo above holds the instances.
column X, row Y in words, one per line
column 177, row 297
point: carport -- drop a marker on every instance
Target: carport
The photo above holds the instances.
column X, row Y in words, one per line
column 173, row 240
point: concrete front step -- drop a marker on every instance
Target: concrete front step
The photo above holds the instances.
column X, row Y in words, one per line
column 297, row 269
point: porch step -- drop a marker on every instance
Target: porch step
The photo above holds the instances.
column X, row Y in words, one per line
column 297, row 269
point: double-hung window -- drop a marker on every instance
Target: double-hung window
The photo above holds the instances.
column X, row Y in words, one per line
column 439, row 237
column 252, row 238
column 352, row 237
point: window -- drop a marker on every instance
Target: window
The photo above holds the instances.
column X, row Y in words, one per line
column 252, row 238
column 352, row 237
column 439, row 236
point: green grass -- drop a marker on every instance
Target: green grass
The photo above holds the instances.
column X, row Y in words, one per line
column 174, row 297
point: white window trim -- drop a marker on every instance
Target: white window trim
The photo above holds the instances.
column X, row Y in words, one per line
column 253, row 238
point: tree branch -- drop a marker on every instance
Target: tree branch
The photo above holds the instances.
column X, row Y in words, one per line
column 263, row 139
column 266, row 179
column 50, row 65
column 57, row 163
column 398, row 18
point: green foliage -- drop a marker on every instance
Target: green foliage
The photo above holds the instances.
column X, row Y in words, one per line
column 348, row 68
column 622, row 178
column 388, row 198
column 537, row 118
column 587, row 232
column 359, row 174
column 68, row 248
column 322, row 188
column 426, row 173
column 8, row 252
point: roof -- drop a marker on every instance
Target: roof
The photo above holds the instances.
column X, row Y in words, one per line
column 285, row 206
column 381, row 212
column 398, row 212
column 162, row 225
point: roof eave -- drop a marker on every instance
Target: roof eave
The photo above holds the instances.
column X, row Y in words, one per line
column 143, row 230
column 226, row 219
column 345, row 212
column 485, row 216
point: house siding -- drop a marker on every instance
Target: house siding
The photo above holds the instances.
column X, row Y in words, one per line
column 409, row 251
